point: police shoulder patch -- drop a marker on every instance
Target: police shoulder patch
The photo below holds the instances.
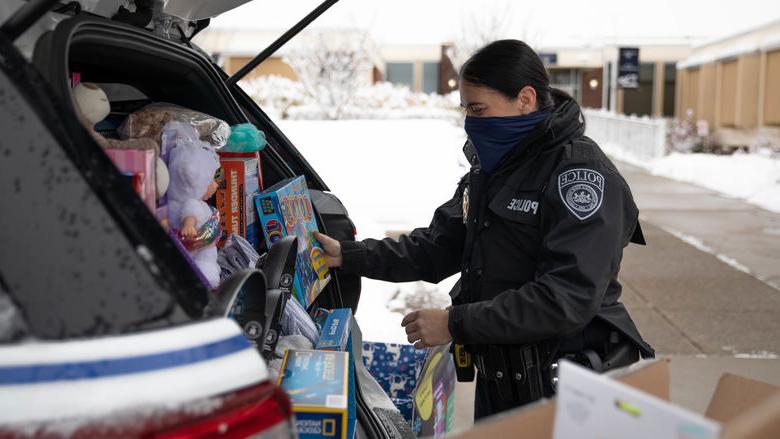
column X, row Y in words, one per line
column 582, row 191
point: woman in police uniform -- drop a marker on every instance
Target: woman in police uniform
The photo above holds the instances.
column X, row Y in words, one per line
column 536, row 230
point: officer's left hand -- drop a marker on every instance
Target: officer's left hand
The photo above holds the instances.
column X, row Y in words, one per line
column 427, row 327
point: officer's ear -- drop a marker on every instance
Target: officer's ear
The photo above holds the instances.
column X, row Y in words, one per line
column 526, row 100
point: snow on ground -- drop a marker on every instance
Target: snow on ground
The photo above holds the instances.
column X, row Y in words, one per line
column 391, row 175
column 754, row 178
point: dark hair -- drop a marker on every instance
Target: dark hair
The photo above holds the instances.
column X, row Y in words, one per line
column 507, row 66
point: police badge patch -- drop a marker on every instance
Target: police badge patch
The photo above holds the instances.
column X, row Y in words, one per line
column 582, row 191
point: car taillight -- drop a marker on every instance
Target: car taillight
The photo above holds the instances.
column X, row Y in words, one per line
column 261, row 411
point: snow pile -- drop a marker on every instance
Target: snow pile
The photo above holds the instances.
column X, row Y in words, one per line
column 283, row 98
column 752, row 177
column 391, row 175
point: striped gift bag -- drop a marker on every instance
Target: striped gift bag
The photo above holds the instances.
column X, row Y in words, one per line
column 143, row 163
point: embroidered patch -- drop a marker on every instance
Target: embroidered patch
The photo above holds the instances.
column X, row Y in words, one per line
column 582, row 191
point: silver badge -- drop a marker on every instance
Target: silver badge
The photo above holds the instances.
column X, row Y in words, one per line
column 582, row 191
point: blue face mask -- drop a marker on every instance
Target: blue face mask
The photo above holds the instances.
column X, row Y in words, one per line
column 495, row 137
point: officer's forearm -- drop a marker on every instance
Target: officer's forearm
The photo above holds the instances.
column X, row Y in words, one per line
column 525, row 315
column 412, row 257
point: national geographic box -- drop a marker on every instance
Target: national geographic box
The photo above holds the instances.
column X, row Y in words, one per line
column 317, row 383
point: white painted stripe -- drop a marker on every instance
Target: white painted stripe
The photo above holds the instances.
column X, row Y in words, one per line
column 96, row 398
column 123, row 346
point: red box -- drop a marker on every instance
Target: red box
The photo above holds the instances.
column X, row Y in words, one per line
column 142, row 163
column 243, row 179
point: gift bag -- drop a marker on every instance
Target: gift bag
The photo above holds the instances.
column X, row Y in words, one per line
column 141, row 163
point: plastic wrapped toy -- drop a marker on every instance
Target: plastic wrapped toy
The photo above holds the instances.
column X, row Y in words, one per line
column 150, row 120
column 244, row 137
column 192, row 166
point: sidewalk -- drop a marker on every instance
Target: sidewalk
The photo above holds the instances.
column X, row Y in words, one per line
column 703, row 302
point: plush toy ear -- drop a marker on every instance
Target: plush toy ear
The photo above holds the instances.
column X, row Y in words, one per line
column 92, row 101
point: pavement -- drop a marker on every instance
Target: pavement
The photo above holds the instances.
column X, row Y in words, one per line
column 704, row 292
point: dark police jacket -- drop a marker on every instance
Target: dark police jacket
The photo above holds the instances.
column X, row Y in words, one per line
column 538, row 243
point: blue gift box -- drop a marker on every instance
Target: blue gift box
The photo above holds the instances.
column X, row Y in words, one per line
column 396, row 368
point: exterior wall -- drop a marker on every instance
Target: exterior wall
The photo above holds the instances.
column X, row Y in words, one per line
column 271, row 66
column 772, row 88
column 728, row 93
column 707, row 93
column 747, row 116
column 691, row 94
column 734, row 84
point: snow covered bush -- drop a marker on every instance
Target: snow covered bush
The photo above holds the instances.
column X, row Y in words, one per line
column 287, row 99
column 275, row 94
column 687, row 136
column 331, row 66
column 417, row 296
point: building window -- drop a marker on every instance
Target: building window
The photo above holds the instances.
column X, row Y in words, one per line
column 639, row 101
column 400, row 73
column 670, row 84
column 430, row 78
column 566, row 80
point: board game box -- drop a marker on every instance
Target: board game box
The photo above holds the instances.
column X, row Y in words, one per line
column 286, row 209
column 236, row 193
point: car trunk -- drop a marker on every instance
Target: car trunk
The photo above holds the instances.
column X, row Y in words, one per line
column 137, row 68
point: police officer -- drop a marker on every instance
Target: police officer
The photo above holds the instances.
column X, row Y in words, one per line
column 536, row 229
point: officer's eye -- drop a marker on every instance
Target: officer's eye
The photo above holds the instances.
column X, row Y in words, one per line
column 475, row 110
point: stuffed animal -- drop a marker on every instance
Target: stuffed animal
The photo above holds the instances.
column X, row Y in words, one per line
column 192, row 165
column 244, row 137
column 93, row 106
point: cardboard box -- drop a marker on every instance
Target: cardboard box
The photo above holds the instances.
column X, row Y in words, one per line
column 318, row 385
column 747, row 409
column 593, row 406
column 236, row 193
column 286, row 209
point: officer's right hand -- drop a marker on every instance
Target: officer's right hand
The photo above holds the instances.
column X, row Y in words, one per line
column 332, row 249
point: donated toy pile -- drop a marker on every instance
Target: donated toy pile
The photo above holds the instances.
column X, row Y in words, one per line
column 203, row 181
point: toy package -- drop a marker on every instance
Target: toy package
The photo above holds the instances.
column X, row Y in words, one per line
column 434, row 402
column 142, row 165
column 336, row 336
column 286, row 209
column 236, row 193
column 317, row 383
column 335, row 331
